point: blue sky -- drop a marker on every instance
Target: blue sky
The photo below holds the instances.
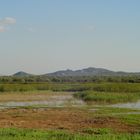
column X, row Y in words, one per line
column 40, row 36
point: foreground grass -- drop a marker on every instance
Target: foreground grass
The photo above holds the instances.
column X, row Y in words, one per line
column 28, row 134
column 107, row 97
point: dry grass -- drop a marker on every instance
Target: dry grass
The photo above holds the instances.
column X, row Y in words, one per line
column 74, row 120
column 29, row 96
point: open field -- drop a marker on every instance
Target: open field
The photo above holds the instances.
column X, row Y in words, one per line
column 69, row 123
column 66, row 114
column 72, row 119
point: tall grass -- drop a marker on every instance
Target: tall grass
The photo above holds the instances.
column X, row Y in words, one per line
column 100, row 87
column 107, row 97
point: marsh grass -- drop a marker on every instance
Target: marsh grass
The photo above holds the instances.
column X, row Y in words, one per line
column 100, row 87
column 107, row 97
column 30, row 95
column 90, row 92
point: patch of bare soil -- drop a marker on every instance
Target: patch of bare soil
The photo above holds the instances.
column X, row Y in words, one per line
column 67, row 119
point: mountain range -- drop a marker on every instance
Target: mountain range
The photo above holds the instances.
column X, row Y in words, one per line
column 22, row 74
column 91, row 71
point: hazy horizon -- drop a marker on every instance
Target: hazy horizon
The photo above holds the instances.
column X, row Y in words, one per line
column 9, row 74
column 42, row 36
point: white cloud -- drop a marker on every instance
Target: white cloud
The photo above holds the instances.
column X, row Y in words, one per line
column 2, row 29
column 6, row 22
column 9, row 20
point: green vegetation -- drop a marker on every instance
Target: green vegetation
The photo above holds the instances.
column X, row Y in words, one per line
column 128, row 116
column 100, row 87
column 93, row 92
column 70, row 79
column 28, row 134
column 132, row 119
column 107, row 97
column 123, row 123
column 114, row 111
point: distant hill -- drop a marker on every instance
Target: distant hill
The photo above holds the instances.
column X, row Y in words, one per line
column 22, row 74
column 91, row 71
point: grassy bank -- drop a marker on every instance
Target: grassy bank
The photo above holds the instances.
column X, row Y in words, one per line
column 107, row 97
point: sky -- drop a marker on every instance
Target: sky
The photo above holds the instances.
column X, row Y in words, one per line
column 42, row 36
